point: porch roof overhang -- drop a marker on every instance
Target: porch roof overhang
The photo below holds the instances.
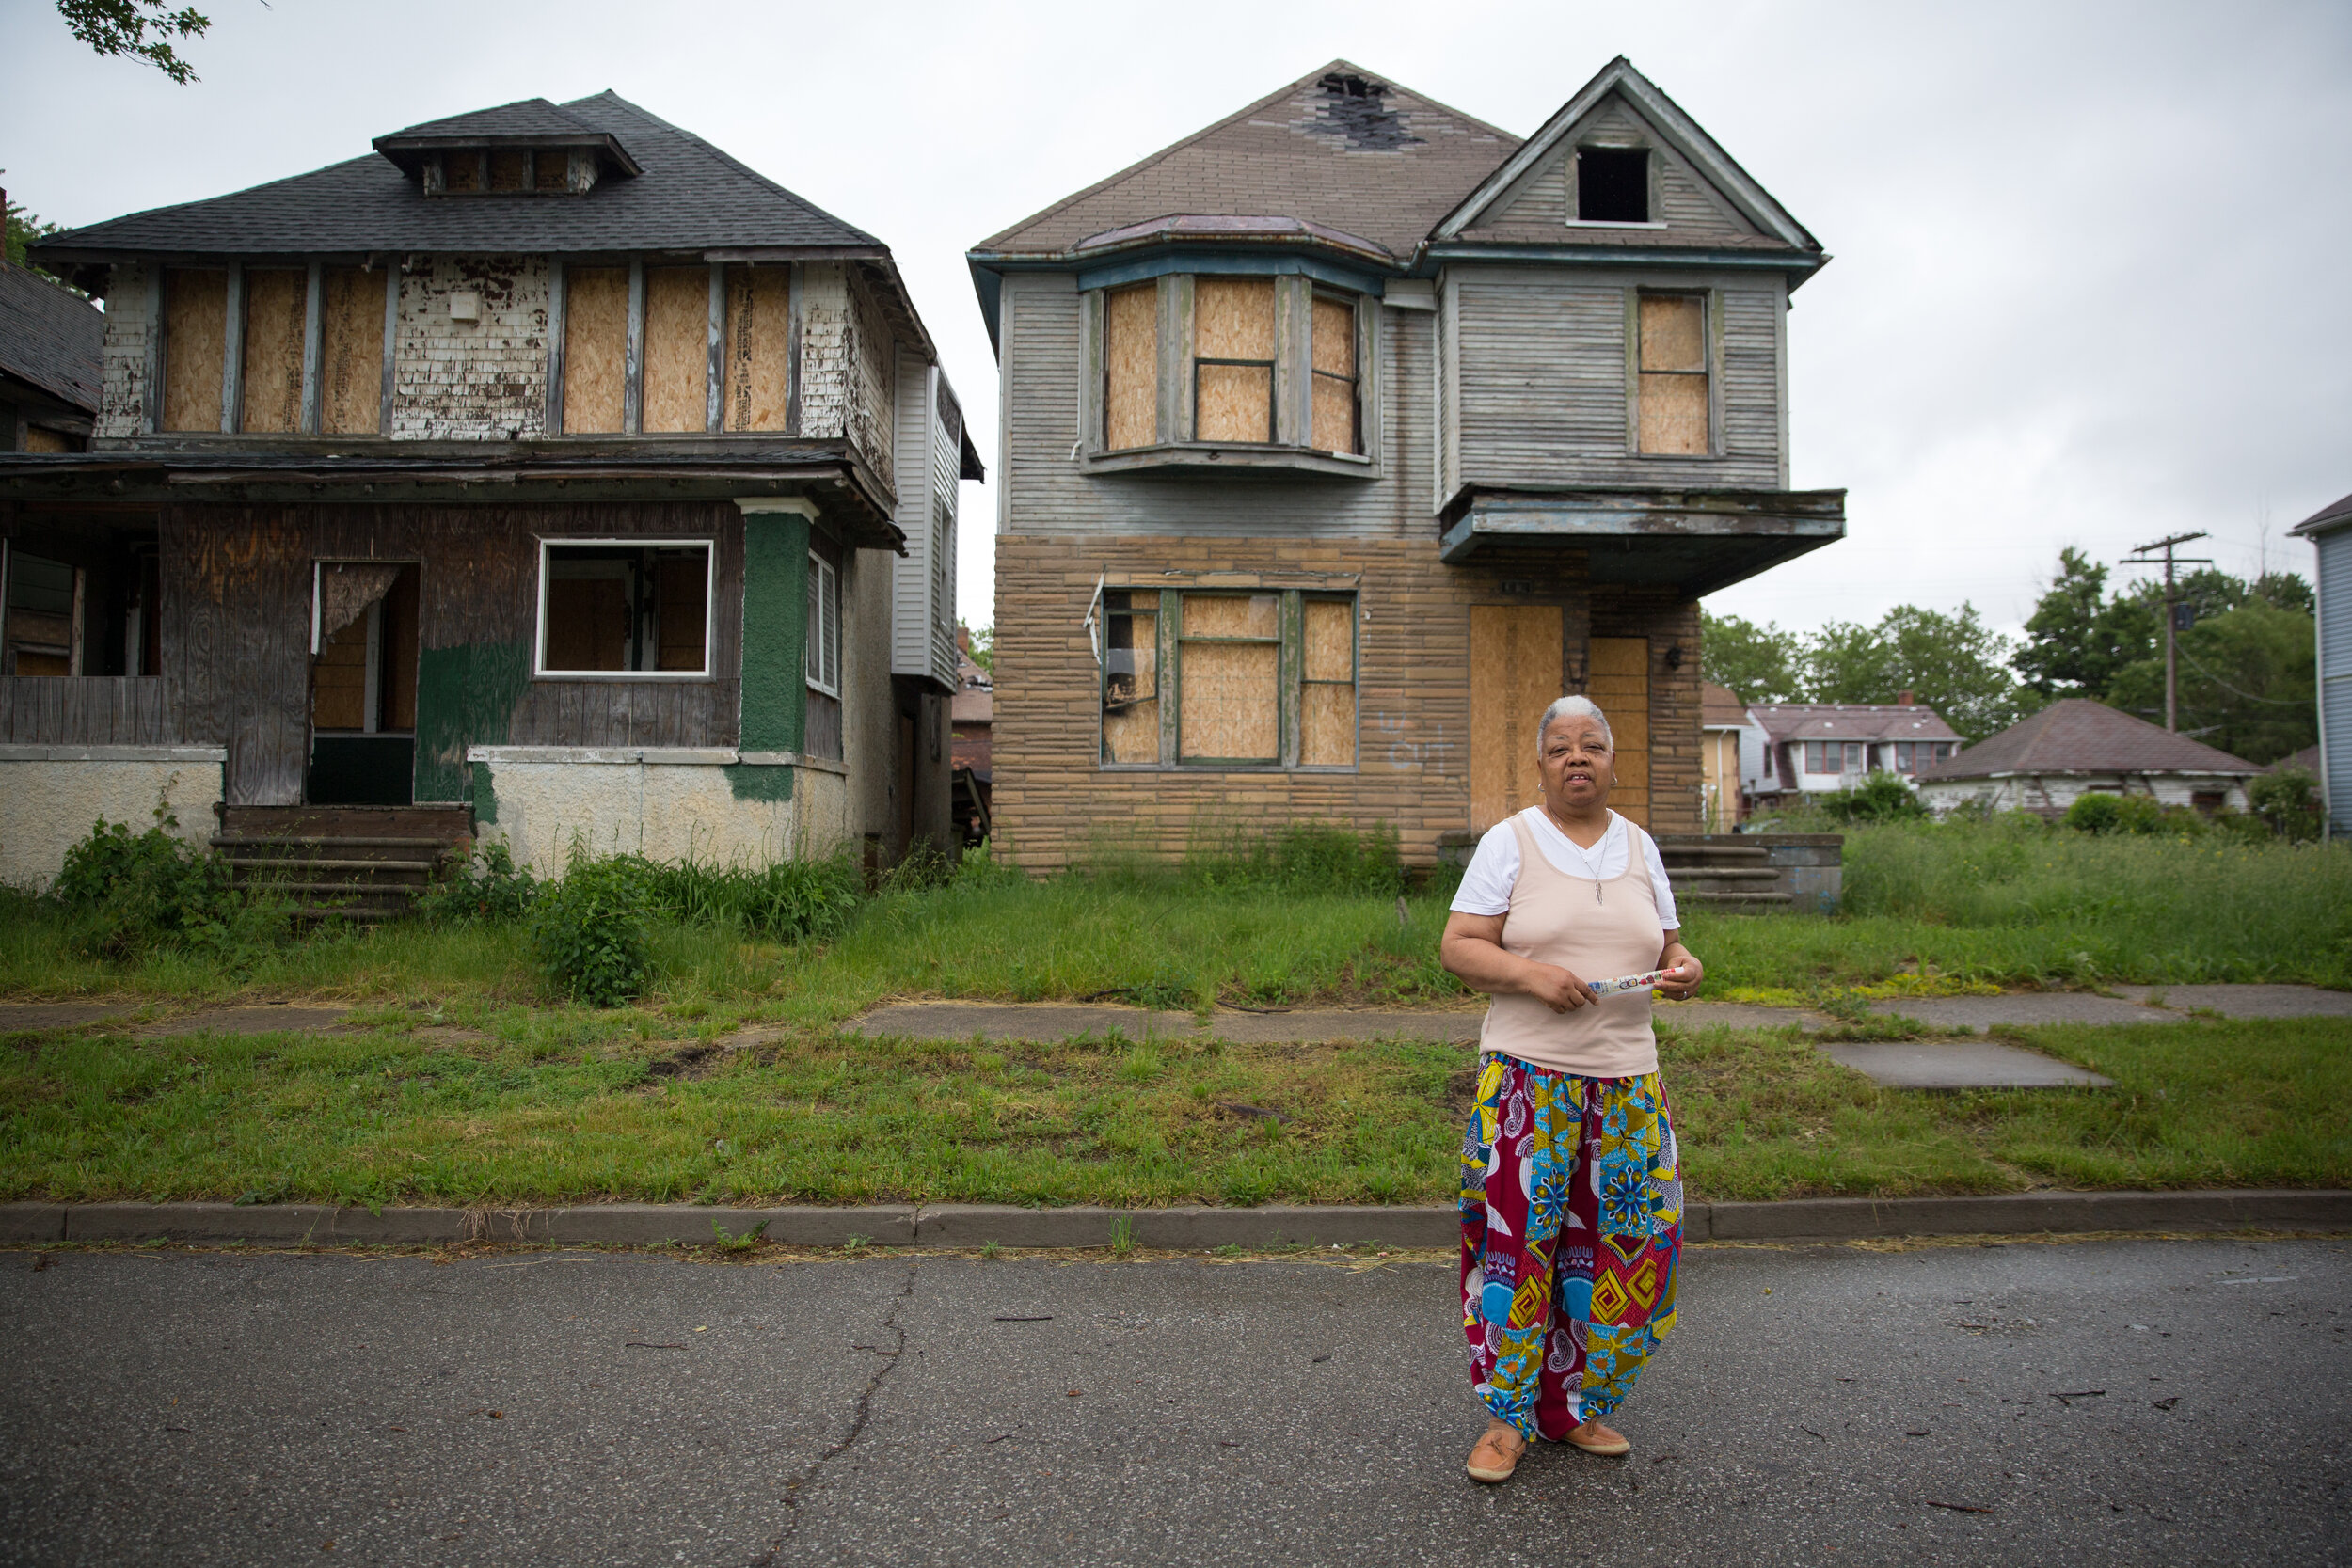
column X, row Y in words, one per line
column 195, row 471
column 1695, row 541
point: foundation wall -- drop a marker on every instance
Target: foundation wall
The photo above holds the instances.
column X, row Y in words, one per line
column 55, row 793
column 713, row 811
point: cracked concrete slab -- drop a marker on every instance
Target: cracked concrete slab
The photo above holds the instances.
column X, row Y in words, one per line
column 2246, row 1001
column 1959, row 1064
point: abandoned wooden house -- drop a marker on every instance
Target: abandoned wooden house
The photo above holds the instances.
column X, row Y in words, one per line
column 545, row 474
column 1342, row 436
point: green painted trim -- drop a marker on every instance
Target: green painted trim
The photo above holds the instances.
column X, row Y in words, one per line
column 485, row 799
column 776, row 617
column 466, row 696
column 761, row 780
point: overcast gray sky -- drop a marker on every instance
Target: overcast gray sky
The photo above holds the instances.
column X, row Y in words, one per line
column 2090, row 260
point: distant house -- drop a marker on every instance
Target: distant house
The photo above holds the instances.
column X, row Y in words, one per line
column 2078, row 746
column 51, row 346
column 1814, row 747
column 971, row 716
column 2329, row 529
column 1726, row 735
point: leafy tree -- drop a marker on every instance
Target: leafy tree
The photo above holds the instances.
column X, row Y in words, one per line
column 1955, row 664
column 983, row 649
column 23, row 228
column 2077, row 637
column 1759, row 664
column 2247, row 681
column 136, row 29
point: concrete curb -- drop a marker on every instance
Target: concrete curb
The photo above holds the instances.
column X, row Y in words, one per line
column 1176, row 1229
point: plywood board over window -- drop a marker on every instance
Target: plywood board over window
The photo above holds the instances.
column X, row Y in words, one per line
column 507, row 170
column 350, row 351
column 1131, row 677
column 196, row 322
column 1231, row 678
column 1618, row 671
column 677, row 348
column 596, row 348
column 1233, row 358
column 1336, row 418
column 1327, row 694
column 757, row 356
column 275, row 311
column 1674, row 394
column 1131, row 367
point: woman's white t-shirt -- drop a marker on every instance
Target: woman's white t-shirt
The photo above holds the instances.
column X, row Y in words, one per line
column 1495, row 867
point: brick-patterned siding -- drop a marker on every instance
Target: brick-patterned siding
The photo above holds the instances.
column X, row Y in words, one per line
column 1053, row 802
column 478, row 380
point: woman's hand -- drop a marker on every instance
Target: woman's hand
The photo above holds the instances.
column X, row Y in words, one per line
column 1683, row 971
column 1472, row 950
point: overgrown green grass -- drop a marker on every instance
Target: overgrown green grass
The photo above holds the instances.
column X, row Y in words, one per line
column 546, row 1105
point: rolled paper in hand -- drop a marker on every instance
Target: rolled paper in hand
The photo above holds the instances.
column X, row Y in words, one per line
column 1629, row 982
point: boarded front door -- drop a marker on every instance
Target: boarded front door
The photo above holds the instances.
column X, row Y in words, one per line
column 1515, row 674
column 1619, row 682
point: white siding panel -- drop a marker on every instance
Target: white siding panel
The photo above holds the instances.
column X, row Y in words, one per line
column 2335, row 675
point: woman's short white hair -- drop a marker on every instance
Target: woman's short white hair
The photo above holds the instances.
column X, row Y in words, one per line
column 1573, row 707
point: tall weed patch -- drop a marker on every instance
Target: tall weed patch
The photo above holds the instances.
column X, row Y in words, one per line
column 133, row 894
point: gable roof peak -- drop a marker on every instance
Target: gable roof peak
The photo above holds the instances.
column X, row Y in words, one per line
column 1620, row 78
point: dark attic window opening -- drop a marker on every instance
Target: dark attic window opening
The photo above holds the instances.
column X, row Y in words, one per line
column 1612, row 184
column 1355, row 111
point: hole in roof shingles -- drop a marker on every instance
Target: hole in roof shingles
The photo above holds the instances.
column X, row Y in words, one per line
column 1355, row 111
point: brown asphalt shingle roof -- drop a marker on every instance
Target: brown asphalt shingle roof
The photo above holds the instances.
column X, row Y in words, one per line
column 2078, row 735
column 50, row 337
column 2326, row 519
column 1339, row 147
column 1719, row 706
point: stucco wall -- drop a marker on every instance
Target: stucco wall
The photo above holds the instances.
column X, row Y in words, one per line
column 713, row 811
column 55, row 793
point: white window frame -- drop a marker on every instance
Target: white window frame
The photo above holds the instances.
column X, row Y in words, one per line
column 710, row 546
column 826, row 579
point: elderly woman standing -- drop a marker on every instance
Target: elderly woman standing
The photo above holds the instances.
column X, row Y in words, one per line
column 1571, row 1182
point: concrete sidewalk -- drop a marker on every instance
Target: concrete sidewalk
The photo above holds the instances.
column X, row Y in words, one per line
column 2111, row 1403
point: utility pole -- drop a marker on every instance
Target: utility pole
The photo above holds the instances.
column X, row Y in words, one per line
column 2171, row 618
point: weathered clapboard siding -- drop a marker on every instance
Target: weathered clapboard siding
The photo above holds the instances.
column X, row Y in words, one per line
column 88, row 711
column 1542, row 391
column 1047, row 492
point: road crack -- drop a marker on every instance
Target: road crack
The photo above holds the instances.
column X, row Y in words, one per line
column 862, row 1412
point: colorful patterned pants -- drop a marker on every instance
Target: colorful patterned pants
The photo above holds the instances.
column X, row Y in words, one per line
column 1571, row 1218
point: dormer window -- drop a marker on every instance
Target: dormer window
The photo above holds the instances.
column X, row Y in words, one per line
column 533, row 147
column 1611, row 184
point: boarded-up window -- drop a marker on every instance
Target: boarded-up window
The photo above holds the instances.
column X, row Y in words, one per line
column 350, row 351
column 596, row 348
column 508, row 170
column 1617, row 679
column 677, row 348
column 1234, row 359
column 820, row 654
column 45, row 610
column 1326, row 692
column 616, row 609
column 1131, row 367
column 1337, row 408
column 1674, row 392
column 195, row 319
column 275, row 305
column 1229, row 677
column 461, row 171
column 758, row 364
column 1131, row 676
column 550, row 170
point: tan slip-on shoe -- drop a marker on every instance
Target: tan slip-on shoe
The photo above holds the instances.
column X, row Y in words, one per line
column 1497, row 1455
column 1594, row 1438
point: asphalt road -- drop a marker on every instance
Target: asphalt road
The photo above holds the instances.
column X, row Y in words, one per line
column 1817, row 1406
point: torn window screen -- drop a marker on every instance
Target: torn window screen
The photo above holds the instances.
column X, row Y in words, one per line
column 613, row 609
column 1131, row 676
